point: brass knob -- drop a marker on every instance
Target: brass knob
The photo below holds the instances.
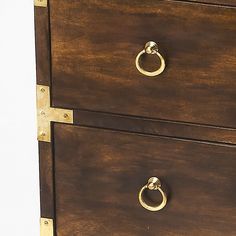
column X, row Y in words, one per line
column 150, row 48
column 153, row 184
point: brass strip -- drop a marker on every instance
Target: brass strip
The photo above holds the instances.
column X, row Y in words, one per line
column 41, row 3
column 47, row 114
column 46, row 227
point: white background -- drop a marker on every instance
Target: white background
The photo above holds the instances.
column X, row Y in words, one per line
column 19, row 178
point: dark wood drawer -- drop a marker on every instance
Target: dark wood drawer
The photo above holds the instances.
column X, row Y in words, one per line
column 123, row 127
column 94, row 45
column 98, row 174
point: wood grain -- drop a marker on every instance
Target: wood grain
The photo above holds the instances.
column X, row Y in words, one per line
column 99, row 173
column 90, row 181
column 155, row 127
column 46, row 180
column 94, row 45
column 42, row 41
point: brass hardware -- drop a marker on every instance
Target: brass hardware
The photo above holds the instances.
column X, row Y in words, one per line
column 150, row 48
column 153, row 184
column 41, row 3
column 47, row 114
column 46, row 227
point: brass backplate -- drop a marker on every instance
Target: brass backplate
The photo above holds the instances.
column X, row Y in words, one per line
column 41, row 3
column 46, row 227
column 47, row 114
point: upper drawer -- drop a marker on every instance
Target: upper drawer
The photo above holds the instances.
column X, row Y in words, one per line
column 94, row 45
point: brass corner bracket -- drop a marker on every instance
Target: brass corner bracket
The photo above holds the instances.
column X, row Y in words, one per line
column 41, row 3
column 47, row 114
column 46, row 227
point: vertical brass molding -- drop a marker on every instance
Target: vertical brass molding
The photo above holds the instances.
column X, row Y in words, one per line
column 41, row 3
column 46, row 227
column 47, row 114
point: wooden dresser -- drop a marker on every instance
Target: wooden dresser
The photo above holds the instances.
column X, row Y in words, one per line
column 137, row 117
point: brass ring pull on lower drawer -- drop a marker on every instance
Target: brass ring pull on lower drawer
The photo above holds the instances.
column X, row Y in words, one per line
column 153, row 184
column 150, row 48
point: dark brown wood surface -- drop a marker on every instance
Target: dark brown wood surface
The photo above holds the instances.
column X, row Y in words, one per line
column 155, row 127
column 43, row 47
column 94, row 45
column 93, row 187
column 46, row 179
column 43, row 65
column 98, row 175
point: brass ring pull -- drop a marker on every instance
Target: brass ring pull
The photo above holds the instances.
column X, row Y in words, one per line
column 150, row 48
column 153, row 184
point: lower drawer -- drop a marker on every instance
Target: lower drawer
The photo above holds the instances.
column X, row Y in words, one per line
column 99, row 173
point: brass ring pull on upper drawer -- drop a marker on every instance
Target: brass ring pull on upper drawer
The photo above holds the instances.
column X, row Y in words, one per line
column 150, row 48
column 153, row 184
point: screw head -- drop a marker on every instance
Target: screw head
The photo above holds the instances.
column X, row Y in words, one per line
column 46, row 222
column 42, row 113
column 42, row 90
column 65, row 115
column 42, row 134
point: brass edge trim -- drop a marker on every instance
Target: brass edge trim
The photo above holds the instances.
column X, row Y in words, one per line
column 47, row 114
column 46, row 227
column 41, row 3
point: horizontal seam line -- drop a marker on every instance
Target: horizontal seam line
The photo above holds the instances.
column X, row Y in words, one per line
column 216, row 143
column 205, row 3
column 157, row 119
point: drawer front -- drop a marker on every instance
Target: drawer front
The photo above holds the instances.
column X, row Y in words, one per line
column 99, row 173
column 94, row 45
